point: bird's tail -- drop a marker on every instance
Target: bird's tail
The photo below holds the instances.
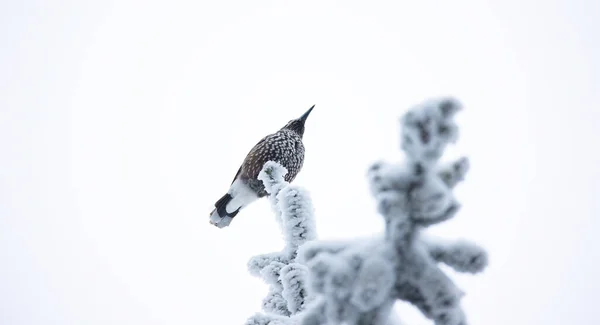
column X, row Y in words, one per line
column 219, row 216
column 238, row 196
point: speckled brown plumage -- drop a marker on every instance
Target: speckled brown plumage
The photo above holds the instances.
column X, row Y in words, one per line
column 284, row 147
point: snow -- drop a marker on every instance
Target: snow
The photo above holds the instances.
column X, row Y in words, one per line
column 373, row 283
column 293, row 279
column 286, row 279
column 461, row 255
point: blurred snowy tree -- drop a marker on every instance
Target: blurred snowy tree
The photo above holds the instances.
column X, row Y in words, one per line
column 357, row 282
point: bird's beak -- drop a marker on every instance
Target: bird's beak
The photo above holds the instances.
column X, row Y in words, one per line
column 305, row 115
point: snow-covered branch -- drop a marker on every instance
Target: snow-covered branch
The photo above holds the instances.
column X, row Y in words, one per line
column 461, row 255
column 287, row 279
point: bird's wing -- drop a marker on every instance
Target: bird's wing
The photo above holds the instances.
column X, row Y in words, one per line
column 237, row 174
column 258, row 145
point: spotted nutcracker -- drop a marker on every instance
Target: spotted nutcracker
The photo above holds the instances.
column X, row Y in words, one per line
column 284, row 147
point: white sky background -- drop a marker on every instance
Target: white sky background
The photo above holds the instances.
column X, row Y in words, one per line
column 122, row 123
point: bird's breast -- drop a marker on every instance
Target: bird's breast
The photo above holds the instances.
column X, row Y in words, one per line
column 285, row 148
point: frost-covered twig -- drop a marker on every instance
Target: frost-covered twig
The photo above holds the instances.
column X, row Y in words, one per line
column 287, row 278
column 461, row 255
column 357, row 282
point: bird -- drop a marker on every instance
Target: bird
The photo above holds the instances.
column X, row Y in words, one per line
column 284, row 147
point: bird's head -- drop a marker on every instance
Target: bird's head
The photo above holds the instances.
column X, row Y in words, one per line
column 297, row 125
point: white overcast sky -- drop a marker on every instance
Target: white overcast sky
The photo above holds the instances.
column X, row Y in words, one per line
column 122, row 122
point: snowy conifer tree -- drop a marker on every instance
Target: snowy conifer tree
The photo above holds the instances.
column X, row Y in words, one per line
column 357, row 282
